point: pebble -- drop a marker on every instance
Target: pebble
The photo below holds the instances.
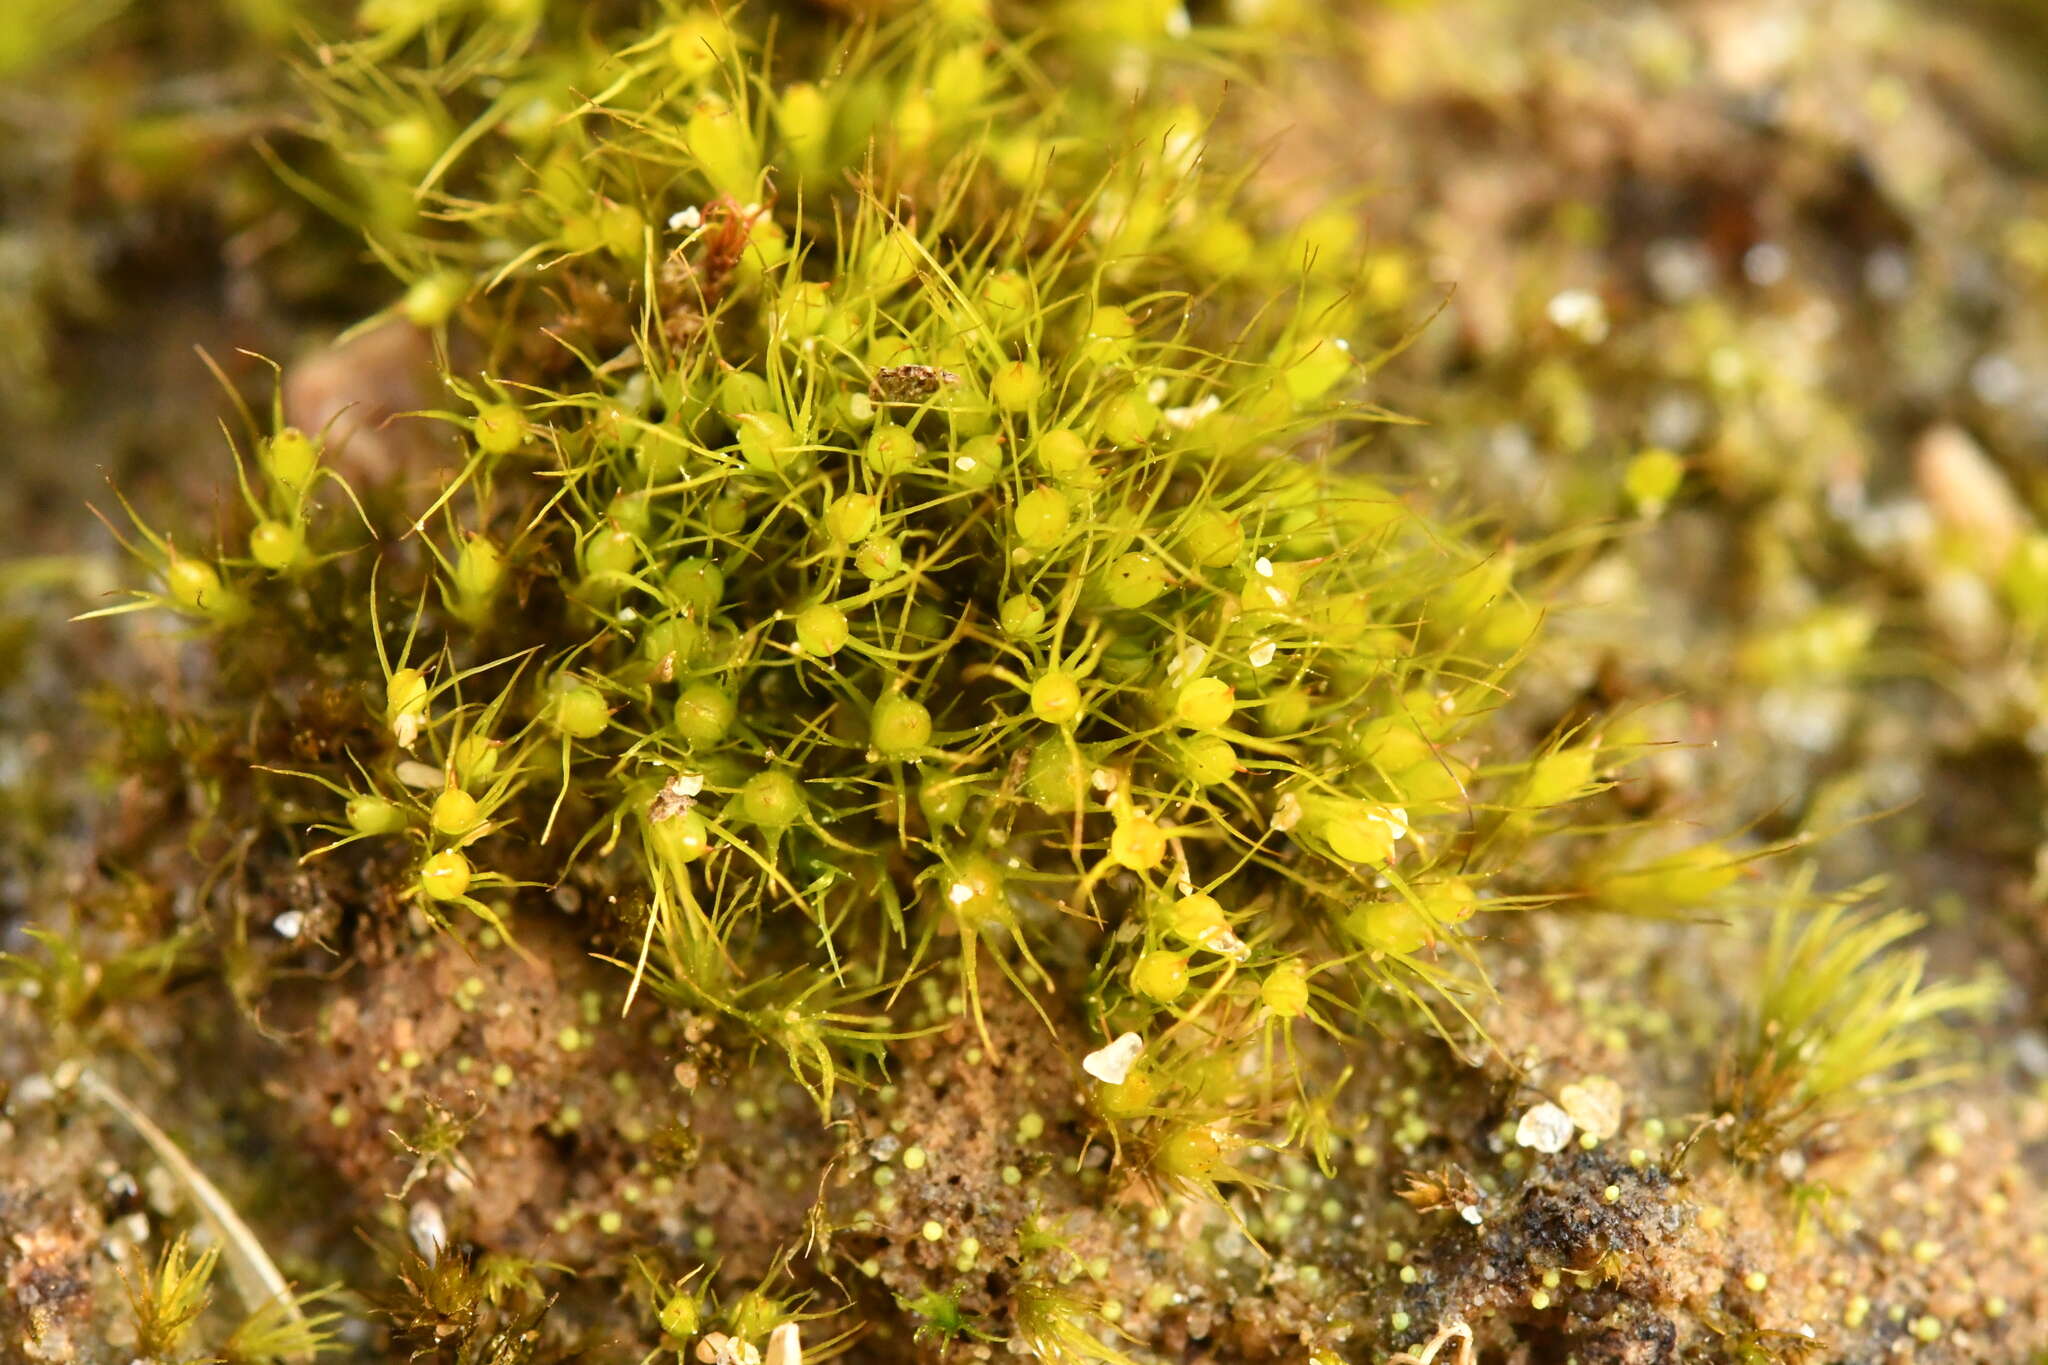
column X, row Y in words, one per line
column 1545, row 1128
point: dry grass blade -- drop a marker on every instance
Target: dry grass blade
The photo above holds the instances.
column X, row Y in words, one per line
column 256, row 1277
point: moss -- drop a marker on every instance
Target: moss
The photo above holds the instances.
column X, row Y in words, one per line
column 910, row 752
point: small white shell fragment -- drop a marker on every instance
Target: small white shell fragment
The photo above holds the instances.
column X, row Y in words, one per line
column 677, row 795
column 716, row 1348
column 1969, row 494
column 1220, row 940
column 420, row 776
column 1580, row 312
column 1183, row 419
column 784, row 1347
column 34, row 1090
column 290, row 924
column 1113, row 1061
column 459, row 1178
column 1262, row 653
column 1545, row 1128
column 428, row 1230
column 1186, row 664
column 1594, row 1104
column 1287, row 813
column 1395, row 818
column 1471, row 1214
column 686, row 220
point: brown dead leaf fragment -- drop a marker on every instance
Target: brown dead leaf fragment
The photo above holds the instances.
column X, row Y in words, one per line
column 353, row 393
column 1447, row 1188
column 908, row 383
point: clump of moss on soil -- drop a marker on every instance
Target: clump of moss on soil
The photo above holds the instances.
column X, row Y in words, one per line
column 847, row 722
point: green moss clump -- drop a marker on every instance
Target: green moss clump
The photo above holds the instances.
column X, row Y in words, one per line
column 885, row 550
column 893, row 573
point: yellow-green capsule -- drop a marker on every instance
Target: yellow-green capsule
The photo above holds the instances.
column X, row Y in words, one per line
column 1315, row 367
column 1212, row 540
column 1285, row 990
column 276, row 545
column 1137, row 842
column 892, row 262
column 1161, row 976
column 683, row 837
column 375, row 815
column 680, row 1317
column 772, row 799
column 698, row 43
column 474, row 760
column 1056, row 697
column 478, row 570
column 822, row 630
column 432, row 299
column 1111, row 333
column 195, row 586
column 1022, row 616
column 1017, row 386
column 723, row 147
column 1041, row 518
column 578, row 710
column 445, row 876
column 979, row 462
column 1056, row 776
column 879, row 558
column 804, row 117
column 899, row 726
column 1207, row 760
column 1005, row 298
column 1204, row 704
column 290, row 458
column 767, row 443
column 704, row 714
column 1129, row 419
column 1135, row 580
column 1066, row 457
column 851, row 516
column 405, row 694
column 892, row 450
column 454, row 812
column 500, row 428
